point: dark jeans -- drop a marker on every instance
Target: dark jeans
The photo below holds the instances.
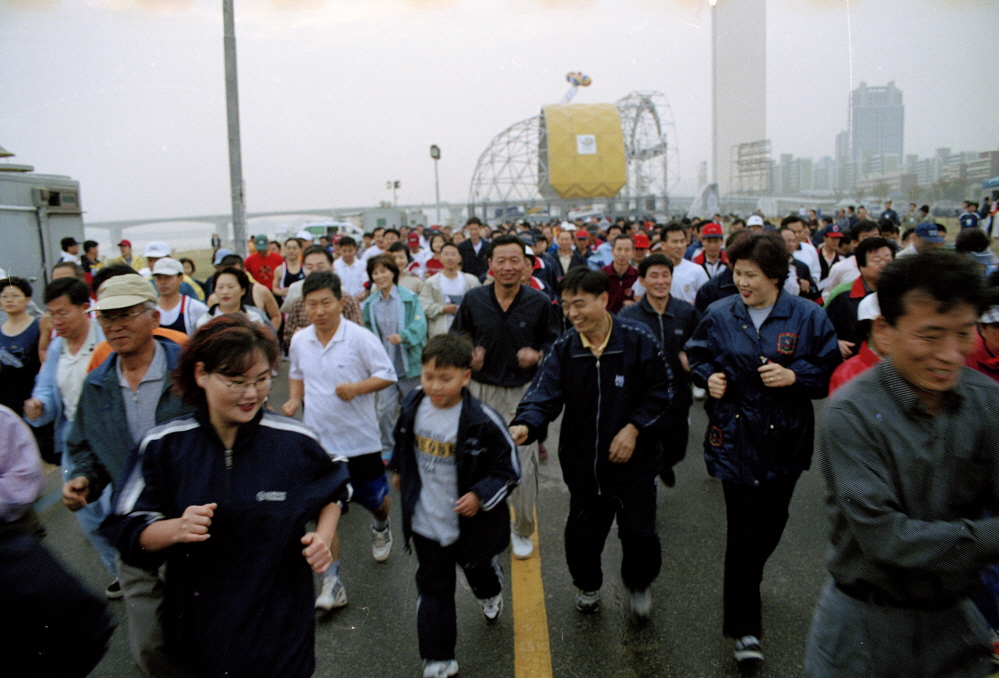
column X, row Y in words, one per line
column 436, row 621
column 757, row 515
column 590, row 518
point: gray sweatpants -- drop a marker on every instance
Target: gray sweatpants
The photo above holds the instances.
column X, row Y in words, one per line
column 854, row 639
column 524, row 496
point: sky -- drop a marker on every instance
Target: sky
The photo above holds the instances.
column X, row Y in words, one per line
column 339, row 96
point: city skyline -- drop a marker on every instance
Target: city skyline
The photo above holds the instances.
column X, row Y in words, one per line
column 338, row 97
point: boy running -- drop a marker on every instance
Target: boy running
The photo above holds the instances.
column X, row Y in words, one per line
column 456, row 464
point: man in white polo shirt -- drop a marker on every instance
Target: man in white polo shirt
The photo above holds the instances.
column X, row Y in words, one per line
column 687, row 276
column 336, row 368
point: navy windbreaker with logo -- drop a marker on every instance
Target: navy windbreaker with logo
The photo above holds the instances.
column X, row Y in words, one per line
column 241, row 602
column 631, row 382
column 755, row 432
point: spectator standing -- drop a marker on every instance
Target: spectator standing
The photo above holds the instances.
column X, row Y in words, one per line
column 70, row 250
column 566, row 257
column 621, row 275
column 290, row 271
column 763, row 356
column 19, row 336
column 511, row 327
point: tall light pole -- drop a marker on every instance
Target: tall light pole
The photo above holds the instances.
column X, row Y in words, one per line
column 435, row 153
column 394, row 185
column 232, row 110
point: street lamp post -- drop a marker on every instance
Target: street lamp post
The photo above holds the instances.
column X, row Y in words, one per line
column 435, row 153
column 394, row 185
column 232, row 111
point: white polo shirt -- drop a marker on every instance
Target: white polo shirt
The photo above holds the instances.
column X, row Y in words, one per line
column 353, row 354
column 808, row 255
column 352, row 277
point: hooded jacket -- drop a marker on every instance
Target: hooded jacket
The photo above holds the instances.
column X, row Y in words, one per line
column 487, row 464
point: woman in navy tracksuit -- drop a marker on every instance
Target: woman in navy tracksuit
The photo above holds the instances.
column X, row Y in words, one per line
column 223, row 496
column 763, row 355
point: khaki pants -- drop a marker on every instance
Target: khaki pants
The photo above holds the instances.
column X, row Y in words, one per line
column 525, row 496
column 143, row 594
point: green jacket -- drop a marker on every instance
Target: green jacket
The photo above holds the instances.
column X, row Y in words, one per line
column 412, row 327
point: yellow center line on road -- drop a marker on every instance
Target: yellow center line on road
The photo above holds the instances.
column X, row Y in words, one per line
column 532, row 655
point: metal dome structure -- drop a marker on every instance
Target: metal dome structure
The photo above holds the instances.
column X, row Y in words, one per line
column 512, row 171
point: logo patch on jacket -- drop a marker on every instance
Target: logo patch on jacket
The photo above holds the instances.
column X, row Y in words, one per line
column 619, row 380
column 271, row 496
column 786, row 343
column 715, row 436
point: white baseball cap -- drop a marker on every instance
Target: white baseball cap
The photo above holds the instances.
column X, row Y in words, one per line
column 168, row 266
column 755, row 220
column 305, row 235
column 158, row 249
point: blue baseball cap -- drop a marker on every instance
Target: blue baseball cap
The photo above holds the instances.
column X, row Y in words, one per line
column 929, row 232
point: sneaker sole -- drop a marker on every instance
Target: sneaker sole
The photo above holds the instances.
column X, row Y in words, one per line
column 748, row 656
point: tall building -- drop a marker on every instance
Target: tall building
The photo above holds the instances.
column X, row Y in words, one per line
column 739, row 81
column 877, row 119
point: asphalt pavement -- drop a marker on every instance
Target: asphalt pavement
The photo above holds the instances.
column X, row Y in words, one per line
column 375, row 634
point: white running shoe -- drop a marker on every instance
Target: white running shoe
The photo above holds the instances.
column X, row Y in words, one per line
column 641, row 603
column 747, row 649
column 440, row 669
column 523, row 547
column 381, row 543
column 333, row 594
column 588, row 601
column 492, row 607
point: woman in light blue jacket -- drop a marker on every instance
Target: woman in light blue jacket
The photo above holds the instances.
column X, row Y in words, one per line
column 396, row 317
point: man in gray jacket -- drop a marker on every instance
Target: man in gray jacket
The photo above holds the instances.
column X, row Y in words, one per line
column 911, row 461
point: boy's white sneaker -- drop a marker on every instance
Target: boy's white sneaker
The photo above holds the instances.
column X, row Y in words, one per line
column 492, row 607
column 522, row 547
column 440, row 669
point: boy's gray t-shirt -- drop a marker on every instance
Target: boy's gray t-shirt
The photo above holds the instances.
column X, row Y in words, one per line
column 436, row 435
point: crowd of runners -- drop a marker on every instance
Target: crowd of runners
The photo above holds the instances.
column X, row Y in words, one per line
column 425, row 366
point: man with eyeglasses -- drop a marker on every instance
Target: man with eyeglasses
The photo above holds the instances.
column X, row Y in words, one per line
column 873, row 255
column 128, row 394
column 57, row 393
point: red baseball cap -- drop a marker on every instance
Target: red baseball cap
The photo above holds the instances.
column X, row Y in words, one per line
column 712, row 230
column 583, row 235
column 642, row 242
column 413, row 238
column 126, row 243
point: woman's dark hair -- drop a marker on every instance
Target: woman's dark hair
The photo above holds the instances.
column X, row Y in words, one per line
column 317, row 249
column 948, row 277
column 76, row 290
column 241, row 278
column 654, row 260
column 448, row 350
column 322, row 280
column 400, row 246
column 226, row 346
column 430, row 243
column 388, row 262
column 767, row 250
column 505, row 239
column 185, row 260
column 971, row 240
column 19, row 283
column 583, row 279
column 868, row 245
